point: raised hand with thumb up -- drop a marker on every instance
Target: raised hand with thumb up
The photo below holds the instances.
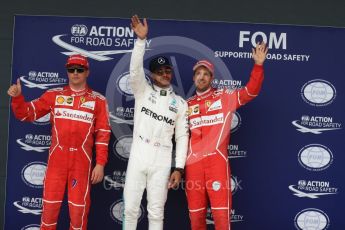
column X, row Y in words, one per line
column 15, row 89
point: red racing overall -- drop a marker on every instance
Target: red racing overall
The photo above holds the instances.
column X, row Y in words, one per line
column 79, row 120
column 207, row 169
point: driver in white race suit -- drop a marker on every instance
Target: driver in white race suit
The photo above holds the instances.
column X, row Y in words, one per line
column 159, row 114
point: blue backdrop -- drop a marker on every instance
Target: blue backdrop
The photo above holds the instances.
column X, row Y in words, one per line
column 286, row 146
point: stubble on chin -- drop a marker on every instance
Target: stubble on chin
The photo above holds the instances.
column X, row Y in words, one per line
column 201, row 89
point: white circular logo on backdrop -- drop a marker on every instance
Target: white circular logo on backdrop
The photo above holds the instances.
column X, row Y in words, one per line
column 31, row 227
column 32, row 74
column 79, row 30
column 123, row 85
column 318, row 92
column 45, row 120
column 122, row 147
column 315, row 157
column 29, row 136
column 311, row 219
column 117, row 211
column 33, row 174
column 235, row 122
column 235, row 184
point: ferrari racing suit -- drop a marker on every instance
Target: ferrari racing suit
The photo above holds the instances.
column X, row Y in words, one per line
column 207, row 169
column 159, row 114
column 79, row 120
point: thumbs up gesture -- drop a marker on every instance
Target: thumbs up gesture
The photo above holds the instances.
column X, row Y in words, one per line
column 15, row 89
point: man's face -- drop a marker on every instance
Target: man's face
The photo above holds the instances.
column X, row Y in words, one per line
column 77, row 75
column 202, row 79
column 162, row 76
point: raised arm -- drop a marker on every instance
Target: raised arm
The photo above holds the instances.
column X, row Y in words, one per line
column 137, row 75
column 253, row 87
column 28, row 111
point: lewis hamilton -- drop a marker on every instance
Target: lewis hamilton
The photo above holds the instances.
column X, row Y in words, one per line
column 159, row 114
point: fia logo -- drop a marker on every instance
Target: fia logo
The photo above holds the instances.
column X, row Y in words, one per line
column 79, row 30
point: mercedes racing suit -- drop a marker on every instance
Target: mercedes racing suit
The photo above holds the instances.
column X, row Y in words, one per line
column 207, row 168
column 79, row 120
column 159, row 114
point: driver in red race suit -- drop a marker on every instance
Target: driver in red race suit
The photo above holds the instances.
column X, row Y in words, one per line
column 79, row 119
column 210, row 113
